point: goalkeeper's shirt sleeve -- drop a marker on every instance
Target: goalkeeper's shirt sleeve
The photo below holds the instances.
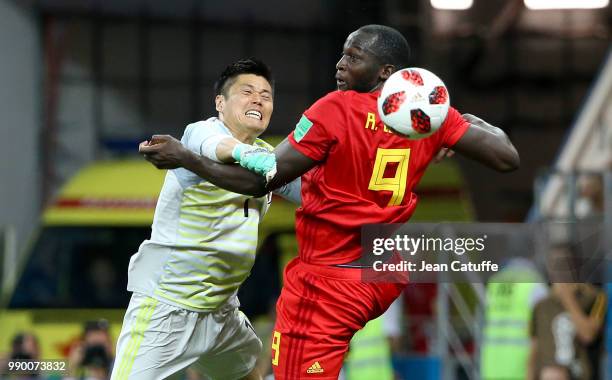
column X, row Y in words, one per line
column 291, row 191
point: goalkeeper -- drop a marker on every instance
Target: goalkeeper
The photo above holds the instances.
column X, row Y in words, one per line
column 184, row 308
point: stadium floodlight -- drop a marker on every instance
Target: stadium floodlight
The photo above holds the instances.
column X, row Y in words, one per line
column 452, row 4
column 566, row 4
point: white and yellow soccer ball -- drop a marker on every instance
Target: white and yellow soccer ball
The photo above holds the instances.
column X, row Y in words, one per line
column 413, row 102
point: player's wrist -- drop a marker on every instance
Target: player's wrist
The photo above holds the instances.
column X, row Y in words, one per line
column 239, row 149
column 189, row 160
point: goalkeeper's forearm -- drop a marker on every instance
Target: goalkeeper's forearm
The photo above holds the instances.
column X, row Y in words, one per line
column 225, row 148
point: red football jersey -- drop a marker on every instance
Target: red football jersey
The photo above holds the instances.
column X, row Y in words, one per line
column 365, row 175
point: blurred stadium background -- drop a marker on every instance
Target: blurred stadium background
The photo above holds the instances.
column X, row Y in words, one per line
column 82, row 82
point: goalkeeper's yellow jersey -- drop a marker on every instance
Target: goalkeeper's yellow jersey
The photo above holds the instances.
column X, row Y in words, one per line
column 203, row 238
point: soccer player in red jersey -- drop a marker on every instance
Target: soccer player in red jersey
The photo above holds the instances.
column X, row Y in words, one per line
column 343, row 152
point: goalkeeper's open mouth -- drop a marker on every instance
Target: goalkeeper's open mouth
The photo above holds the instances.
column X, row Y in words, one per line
column 254, row 114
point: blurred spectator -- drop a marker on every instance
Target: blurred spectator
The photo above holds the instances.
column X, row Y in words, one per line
column 512, row 294
column 24, row 346
column 392, row 325
column 590, row 203
column 264, row 326
column 420, row 309
column 370, row 350
column 103, row 278
column 96, row 282
column 92, row 357
column 566, row 329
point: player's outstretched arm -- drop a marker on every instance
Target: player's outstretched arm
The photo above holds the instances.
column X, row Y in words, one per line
column 487, row 144
column 169, row 153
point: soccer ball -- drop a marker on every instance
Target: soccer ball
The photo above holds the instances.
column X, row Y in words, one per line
column 413, row 102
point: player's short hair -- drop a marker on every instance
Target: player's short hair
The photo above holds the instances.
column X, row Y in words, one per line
column 243, row 66
column 390, row 47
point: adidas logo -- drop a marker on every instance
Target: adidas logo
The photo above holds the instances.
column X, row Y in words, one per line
column 315, row 368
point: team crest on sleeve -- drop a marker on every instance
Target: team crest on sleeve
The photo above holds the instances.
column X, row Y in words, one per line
column 301, row 128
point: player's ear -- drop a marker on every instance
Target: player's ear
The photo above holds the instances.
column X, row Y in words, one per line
column 386, row 71
column 219, row 103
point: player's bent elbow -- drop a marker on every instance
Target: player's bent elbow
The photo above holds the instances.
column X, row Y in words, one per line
column 507, row 159
column 509, row 164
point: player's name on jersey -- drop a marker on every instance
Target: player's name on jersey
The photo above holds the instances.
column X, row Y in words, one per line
column 423, row 266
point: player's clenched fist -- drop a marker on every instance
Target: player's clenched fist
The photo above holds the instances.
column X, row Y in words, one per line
column 163, row 151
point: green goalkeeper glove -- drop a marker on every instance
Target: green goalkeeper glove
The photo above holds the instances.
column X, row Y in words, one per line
column 258, row 160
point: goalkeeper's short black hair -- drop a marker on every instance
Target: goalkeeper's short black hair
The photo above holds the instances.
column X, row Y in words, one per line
column 390, row 46
column 244, row 66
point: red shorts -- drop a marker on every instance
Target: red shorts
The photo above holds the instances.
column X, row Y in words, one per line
column 319, row 310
